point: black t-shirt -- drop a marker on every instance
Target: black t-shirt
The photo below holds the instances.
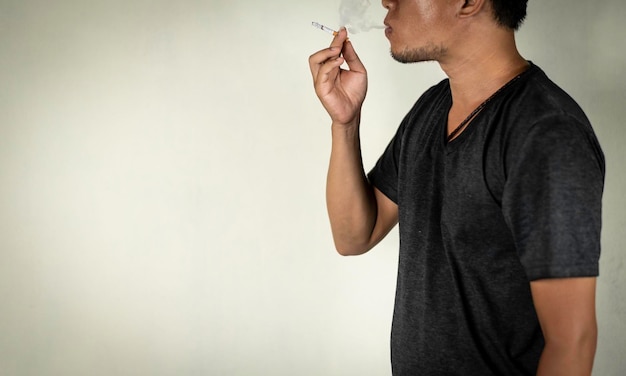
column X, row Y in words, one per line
column 514, row 198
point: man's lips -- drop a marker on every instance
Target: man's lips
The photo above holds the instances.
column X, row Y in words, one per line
column 388, row 29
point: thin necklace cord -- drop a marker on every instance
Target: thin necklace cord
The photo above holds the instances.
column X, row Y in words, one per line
column 480, row 107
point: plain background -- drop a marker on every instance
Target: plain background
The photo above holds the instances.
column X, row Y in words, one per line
column 162, row 171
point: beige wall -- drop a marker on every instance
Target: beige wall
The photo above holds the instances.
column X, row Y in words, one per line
column 162, row 169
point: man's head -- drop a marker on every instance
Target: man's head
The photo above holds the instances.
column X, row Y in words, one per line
column 421, row 30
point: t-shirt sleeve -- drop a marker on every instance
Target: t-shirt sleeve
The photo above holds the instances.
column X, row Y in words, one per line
column 552, row 199
column 384, row 175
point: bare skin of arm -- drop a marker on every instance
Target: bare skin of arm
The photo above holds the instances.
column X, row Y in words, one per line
column 360, row 215
column 566, row 311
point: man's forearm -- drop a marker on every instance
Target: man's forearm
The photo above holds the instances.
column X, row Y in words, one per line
column 349, row 197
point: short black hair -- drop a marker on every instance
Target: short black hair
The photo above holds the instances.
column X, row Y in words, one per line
column 509, row 13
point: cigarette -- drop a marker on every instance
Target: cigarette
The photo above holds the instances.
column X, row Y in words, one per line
column 324, row 28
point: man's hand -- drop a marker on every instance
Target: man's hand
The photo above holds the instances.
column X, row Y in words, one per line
column 341, row 91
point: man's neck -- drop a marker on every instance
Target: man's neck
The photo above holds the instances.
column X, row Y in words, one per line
column 481, row 68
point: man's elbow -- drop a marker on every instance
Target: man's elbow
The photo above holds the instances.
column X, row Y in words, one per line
column 351, row 248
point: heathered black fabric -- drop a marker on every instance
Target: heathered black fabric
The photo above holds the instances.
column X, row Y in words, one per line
column 515, row 198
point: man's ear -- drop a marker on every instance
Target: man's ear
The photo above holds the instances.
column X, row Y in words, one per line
column 470, row 8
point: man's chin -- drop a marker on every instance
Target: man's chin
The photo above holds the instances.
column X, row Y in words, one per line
column 404, row 58
column 408, row 56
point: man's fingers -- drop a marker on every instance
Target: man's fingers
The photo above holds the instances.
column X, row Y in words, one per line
column 340, row 38
column 325, row 64
column 319, row 58
column 327, row 74
column 352, row 59
column 329, row 54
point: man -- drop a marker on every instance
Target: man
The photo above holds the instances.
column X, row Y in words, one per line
column 495, row 178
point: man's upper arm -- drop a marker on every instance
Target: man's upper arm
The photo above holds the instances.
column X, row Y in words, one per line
column 552, row 199
column 564, row 306
column 566, row 311
column 386, row 219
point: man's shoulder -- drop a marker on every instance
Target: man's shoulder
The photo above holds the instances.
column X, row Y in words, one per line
column 538, row 102
column 541, row 116
column 539, row 97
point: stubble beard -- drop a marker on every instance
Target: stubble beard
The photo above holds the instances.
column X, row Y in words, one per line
column 431, row 52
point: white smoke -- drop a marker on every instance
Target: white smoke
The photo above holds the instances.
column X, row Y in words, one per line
column 354, row 16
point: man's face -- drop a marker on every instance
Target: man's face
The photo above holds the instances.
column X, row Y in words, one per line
column 419, row 30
